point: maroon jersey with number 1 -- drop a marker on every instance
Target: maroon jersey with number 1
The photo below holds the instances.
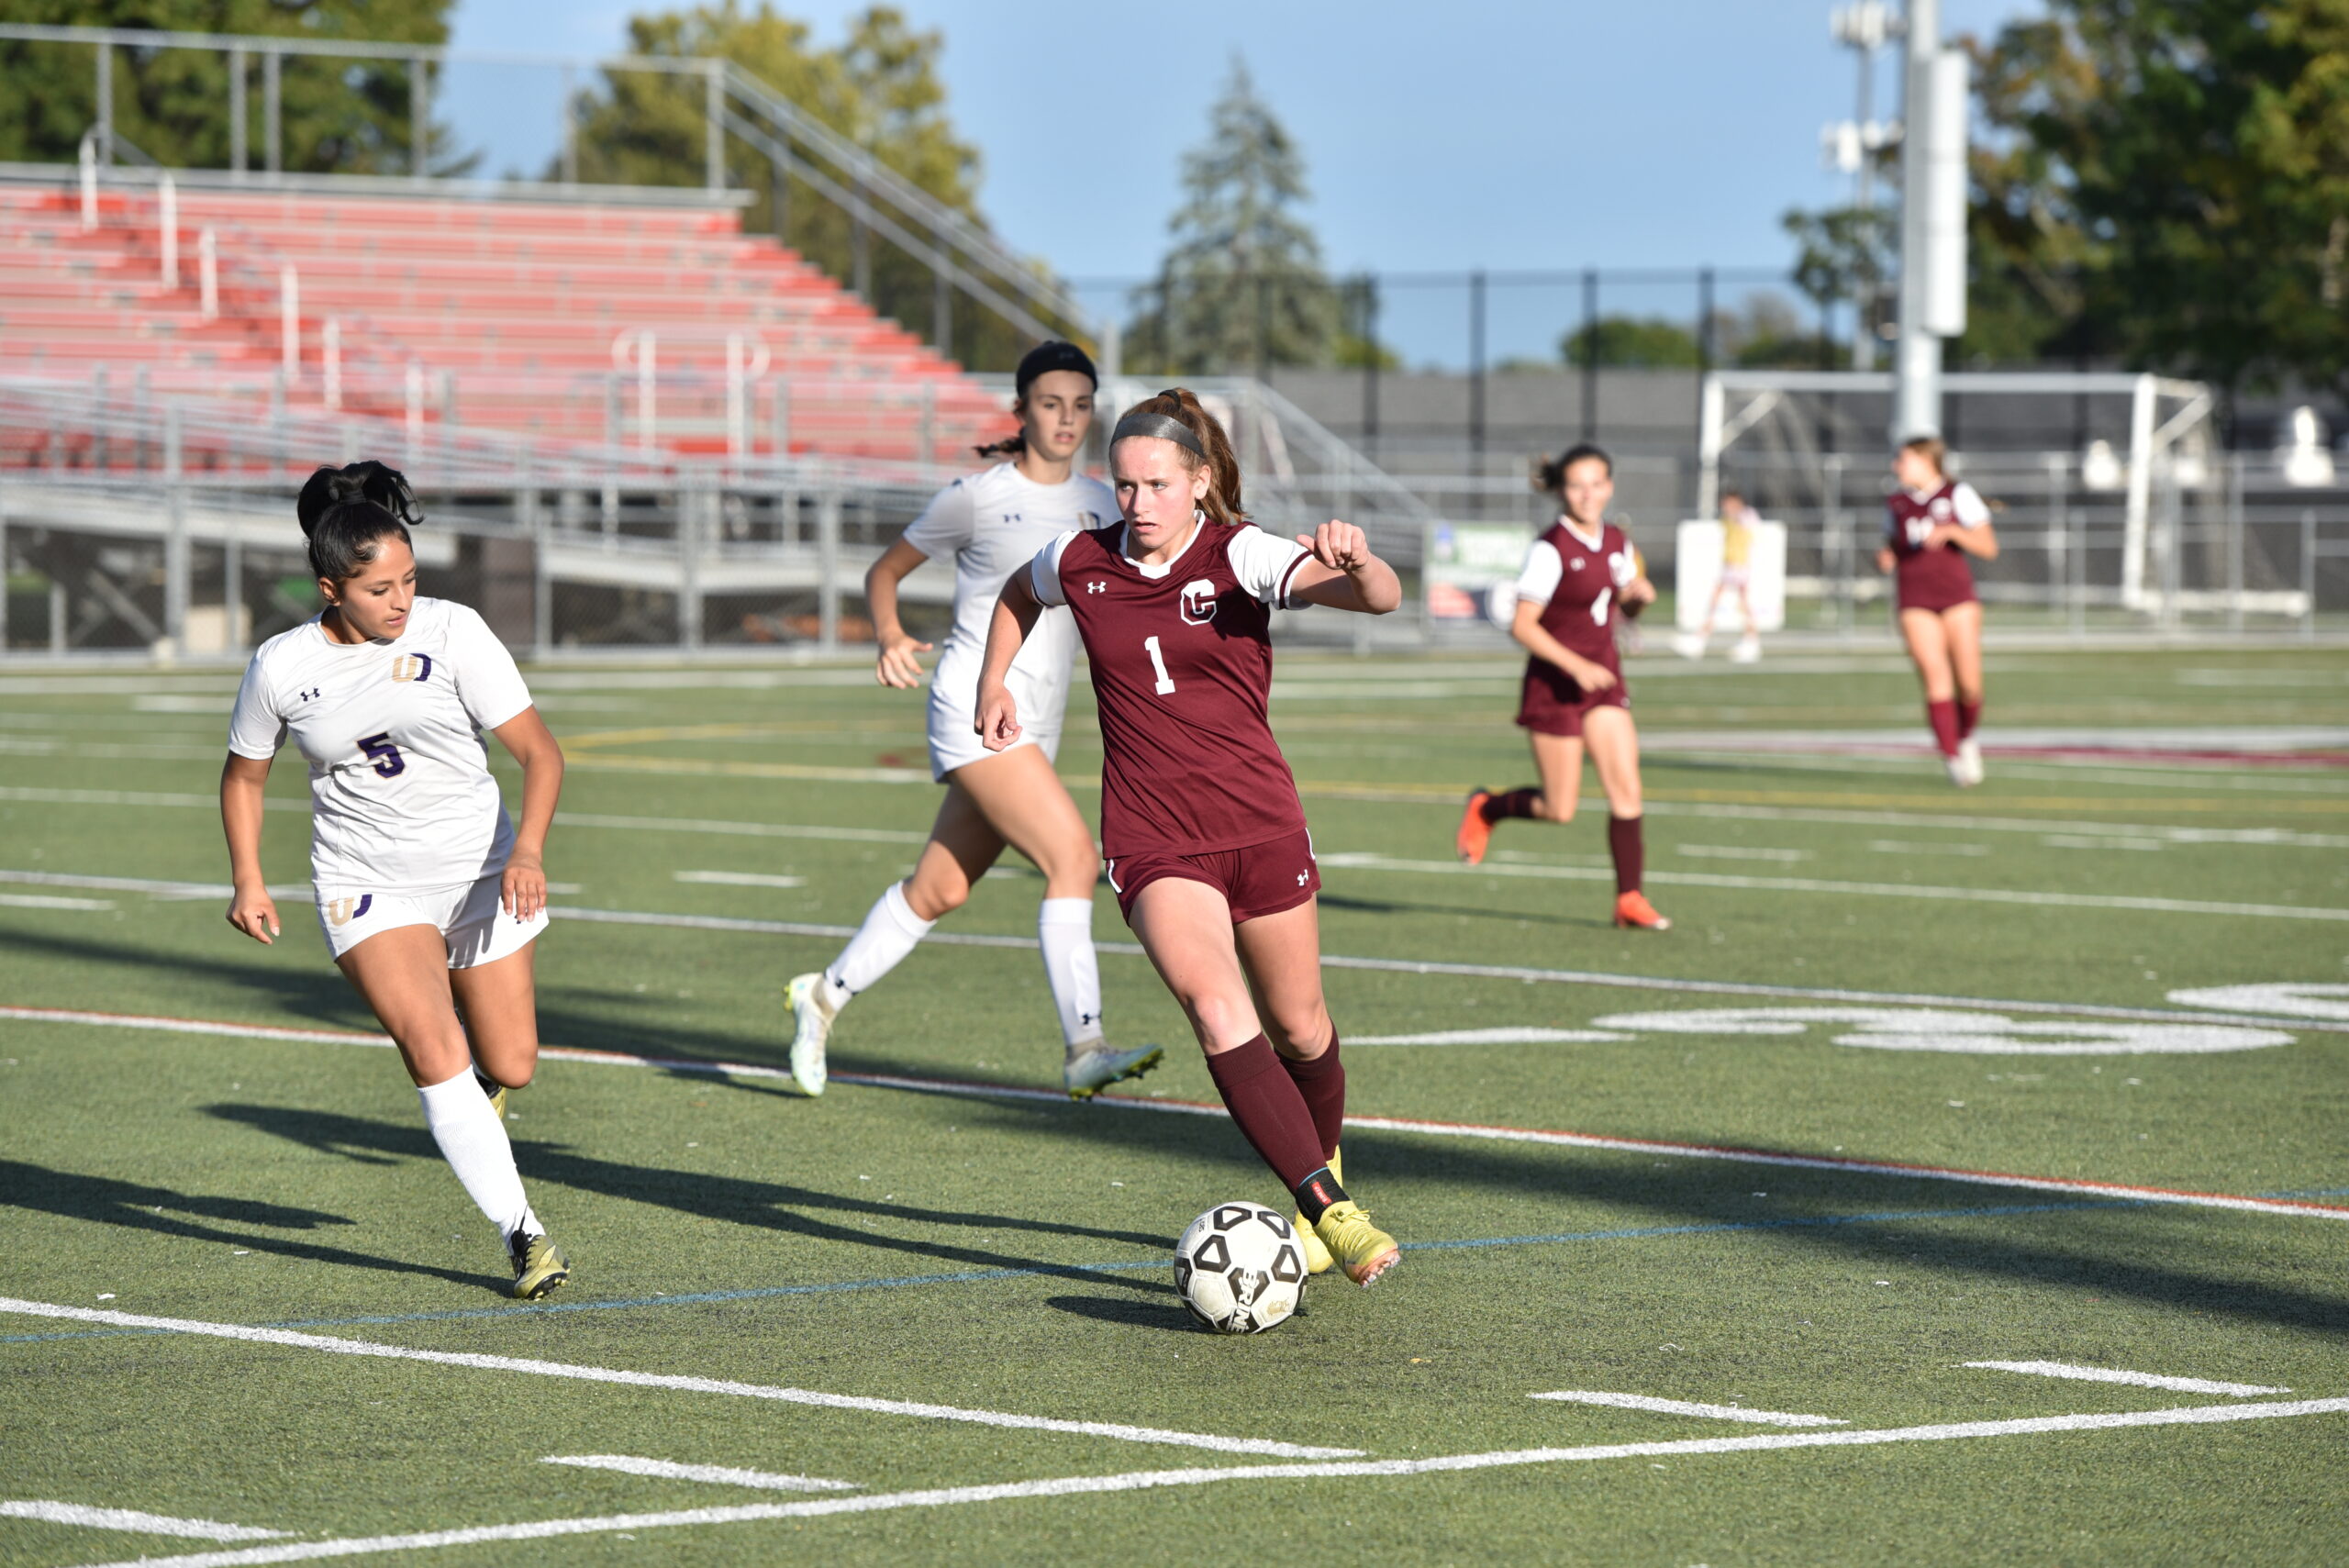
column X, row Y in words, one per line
column 1938, row 576
column 1181, row 663
column 1575, row 577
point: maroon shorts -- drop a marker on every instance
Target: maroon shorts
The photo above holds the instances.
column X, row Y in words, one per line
column 1553, row 703
column 1256, row 880
column 1936, row 581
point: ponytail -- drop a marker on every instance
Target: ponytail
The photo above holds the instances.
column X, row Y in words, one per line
column 1011, row 446
column 347, row 513
column 1212, row 448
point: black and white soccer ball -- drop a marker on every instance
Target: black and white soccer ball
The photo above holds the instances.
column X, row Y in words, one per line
column 1238, row 1269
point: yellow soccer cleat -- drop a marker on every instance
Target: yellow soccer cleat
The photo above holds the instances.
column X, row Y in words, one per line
column 1089, row 1072
column 538, row 1265
column 1316, row 1257
column 1356, row 1245
column 812, row 1018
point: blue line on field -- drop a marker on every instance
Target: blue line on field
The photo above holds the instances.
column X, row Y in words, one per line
column 974, row 1277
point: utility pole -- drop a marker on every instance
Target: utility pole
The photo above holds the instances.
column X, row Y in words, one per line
column 1932, row 220
column 1850, row 146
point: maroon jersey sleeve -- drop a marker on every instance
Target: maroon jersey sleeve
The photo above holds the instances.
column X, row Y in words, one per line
column 1582, row 611
column 1181, row 667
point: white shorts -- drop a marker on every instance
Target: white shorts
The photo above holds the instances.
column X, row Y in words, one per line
column 954, row 742
column 468, row 916
column 1736, row 576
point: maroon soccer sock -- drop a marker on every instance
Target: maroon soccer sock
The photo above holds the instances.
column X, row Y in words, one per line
column 1943, row 718
column 1322, row 1083
column 1624, row 843
column 1268, row 1111
column 1969, row 714
column 1510, row 803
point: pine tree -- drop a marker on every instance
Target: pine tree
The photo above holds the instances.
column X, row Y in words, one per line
column 1241, row 286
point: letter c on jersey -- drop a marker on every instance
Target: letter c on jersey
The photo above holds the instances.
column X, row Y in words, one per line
column 412, row 667
column 1198, row 602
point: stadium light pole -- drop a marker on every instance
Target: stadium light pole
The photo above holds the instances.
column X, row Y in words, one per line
column 1932, row 220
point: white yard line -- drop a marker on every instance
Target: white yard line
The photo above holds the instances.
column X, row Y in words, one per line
column 51, row 901
column 715, row 1474
column 1190, row 1107
column 2031, row 898
column 1686, row 1407
column 739, row 878
column 1148, row 1480
column 287, row 1337
column 133, row 1520
column 2138, row 1379
column 1506, row 1036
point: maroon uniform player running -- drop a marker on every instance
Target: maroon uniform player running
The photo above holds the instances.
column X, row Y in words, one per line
column 1578, row 577
column 1205, row 838
column 1932, row 524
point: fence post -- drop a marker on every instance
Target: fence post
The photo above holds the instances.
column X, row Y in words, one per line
column 714, row 125
column 272, row 70
column 1476, row 377
column 175, row 550
column 2059, row 539
column 570, row 126
column 89, row 160
column 106, row 105
column 1590, row 354
column 419, row 114
column 167, row 203
column 2234, row 542
column 232, row 583
column 1835, row 546
column 238, row 158
column 2308, row 571
column 4, row 573
column 827, row 570
column 533, row 519
column 1370, row 365
column 695, row 501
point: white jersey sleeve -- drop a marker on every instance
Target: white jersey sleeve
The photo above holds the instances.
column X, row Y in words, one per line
column 1266, row 565
column 1538, row 580
column 946, row 525
column 256, row 729
column 1966, row 503
column 1044, row 571
column 487, row 682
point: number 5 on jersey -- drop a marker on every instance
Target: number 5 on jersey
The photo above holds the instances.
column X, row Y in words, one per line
column 1158, row 664
column 388, row 760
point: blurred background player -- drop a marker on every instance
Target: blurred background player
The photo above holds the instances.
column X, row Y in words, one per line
column 428, row 895
column 1737, row 577
column 991, row 524
column 1577, row 577
column 1206, row 839
column 1933, row 523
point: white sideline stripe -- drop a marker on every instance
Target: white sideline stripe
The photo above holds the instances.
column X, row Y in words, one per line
column 2140, row 1378
column 1868, row 889
column 716, row 1474
column 293, row 893
column 133, row 1520
column 1688, row 1407
column 1114, row 1430
column 1491, row 1036
column 1191, row 1108
column 1146, row 1480
column 51, row 901
column 739, row 878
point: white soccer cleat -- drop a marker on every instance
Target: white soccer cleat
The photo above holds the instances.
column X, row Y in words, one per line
column 812, row 1016
column 1958, row 775
column 1688, row 645
column 1747, row 651
column 1088, row 1073
column 1970, row 757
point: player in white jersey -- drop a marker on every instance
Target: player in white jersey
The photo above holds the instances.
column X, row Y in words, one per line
column 992, row 523
column 427, row 894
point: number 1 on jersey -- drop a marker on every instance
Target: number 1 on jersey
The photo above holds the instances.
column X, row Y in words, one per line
column 1158, row 663
column 1598, row 606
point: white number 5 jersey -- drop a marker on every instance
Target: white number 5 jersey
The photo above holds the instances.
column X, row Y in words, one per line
column 401, row 796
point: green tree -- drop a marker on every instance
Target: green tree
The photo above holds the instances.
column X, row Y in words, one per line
column 1630, row 342
column 1241, row 284
column 879, row 88
column 1846, row 255
column 345, row 116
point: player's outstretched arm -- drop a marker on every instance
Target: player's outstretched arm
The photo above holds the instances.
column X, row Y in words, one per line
column 523, row 891
column 1016, row 610
column 1535, row 638
column 244, row 782
column 1343, row 575
column 897, row 666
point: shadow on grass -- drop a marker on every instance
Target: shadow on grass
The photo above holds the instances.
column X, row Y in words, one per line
column 105, row 1201
column 769, row 1205
column 1514, row 917
column 1127, row 1312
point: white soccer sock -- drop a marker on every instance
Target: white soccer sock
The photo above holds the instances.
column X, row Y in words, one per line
column 472, row 1141
column 1065, row 928
column 890, row 931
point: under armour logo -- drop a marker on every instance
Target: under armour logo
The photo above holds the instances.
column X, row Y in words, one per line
column 1303, row 877
column 1096, row 587
column 313, row 691
column 1577, row 564
column 1088, row 1020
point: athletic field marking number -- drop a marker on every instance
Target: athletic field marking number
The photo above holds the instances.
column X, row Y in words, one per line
column 1958, row 1033
column 1165, row 681
column 2295, row 999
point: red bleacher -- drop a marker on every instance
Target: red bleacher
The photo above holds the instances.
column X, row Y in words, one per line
column 512, row 306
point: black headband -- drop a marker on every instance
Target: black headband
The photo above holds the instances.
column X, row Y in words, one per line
column 1141, row 422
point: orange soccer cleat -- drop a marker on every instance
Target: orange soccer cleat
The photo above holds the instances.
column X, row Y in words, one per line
column 1633, row 909
column 1474, row 832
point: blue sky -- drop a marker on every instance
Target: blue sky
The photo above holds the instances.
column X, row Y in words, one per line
column 1502, row 134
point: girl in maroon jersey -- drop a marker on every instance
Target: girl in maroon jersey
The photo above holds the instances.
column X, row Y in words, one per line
column 1933, row 523
column 1578, row 577
column 1205, row 838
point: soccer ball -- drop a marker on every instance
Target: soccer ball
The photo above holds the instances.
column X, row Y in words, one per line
column 1238, row 1269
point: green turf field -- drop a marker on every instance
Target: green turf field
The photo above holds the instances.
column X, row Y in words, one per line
column 932, row 1320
